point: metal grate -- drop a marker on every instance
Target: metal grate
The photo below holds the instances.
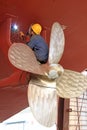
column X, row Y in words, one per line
column 78, row 113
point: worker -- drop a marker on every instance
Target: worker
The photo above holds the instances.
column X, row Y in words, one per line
column 38, row 44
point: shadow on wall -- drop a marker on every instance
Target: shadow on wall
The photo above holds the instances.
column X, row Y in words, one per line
column 9, row 75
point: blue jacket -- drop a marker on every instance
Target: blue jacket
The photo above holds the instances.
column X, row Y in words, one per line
column 40, row 48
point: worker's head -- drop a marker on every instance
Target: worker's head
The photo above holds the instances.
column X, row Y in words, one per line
column 36, row 28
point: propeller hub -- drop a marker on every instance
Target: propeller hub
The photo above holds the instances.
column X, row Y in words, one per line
column 55, row 71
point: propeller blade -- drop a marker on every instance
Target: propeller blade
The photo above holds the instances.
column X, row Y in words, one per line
column 71, row 84
column 43, row 100
column 23, row 58
column 57, row 42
